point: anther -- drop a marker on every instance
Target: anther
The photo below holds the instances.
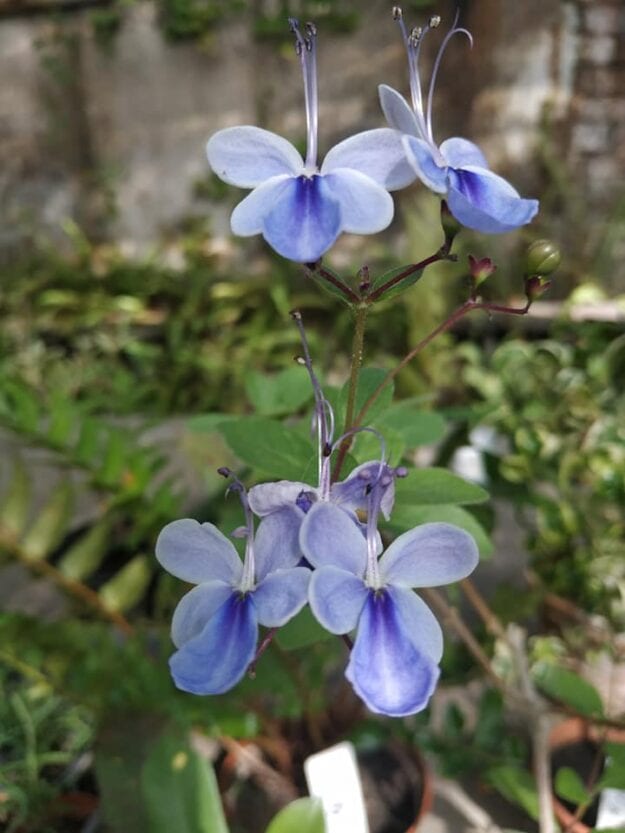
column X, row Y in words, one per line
column 397, row 13
column 296, row 315
column 311, row 30
column 300, row 360
column 416, row 33
column 435, row 21
column 224, row 471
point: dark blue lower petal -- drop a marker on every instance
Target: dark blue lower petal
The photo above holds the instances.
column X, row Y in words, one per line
column 386, row 667
column 215, row 660
column 305, row 220
column 481, row 200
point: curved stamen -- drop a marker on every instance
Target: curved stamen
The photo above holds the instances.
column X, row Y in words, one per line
column 359, row 430
column 455, row 30
column 249, row 567
column 306, row 48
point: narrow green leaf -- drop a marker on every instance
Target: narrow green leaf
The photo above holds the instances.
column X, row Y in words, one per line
column 517, row 785
column 87, row 446
column 283, row 393
column 568, row 687
column 85, row 556
column 125, row 589
column 49, row 528
column 405, row 517
column 417, row 427
column 180, row 789
column 114, row 459
column 305, row 815
column 569, row 785
column 401, row 286
column 269, row 447
column 436, row 485
column 301, row 631
column 16, row 500
column 329, row 287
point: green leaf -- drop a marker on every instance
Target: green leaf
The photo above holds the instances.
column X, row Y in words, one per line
column 301, row 631
column 613, row 776
column 16, row 500
column 49, row 528
column 180, row 789
column 85, row 556
column 405, row 517
column 568, row 687
column 126, row 588
column 368, row 380
column 305, row 815
column 569, row 785
column 269, row 447
column 417, row 427
column 209, row 423
column 400, row 286
column 328, row 286
column 517, row 785
column 367, row 446
column 437, row 486
column 281, row 394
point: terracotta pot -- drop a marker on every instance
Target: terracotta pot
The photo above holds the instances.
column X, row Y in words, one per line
column 570, row 733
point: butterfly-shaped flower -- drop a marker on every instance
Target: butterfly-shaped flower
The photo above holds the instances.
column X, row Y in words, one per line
column 457, row 169
column 393, row 664
column 215, row 625
column 299, row 208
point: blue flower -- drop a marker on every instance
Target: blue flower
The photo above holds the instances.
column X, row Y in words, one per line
column 393, row 664
column 215, row 625
column 299, row 208
column 457, row 169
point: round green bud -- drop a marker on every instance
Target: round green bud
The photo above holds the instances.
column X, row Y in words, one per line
column 542, row 258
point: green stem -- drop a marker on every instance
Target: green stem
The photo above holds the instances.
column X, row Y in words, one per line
column 357, row 356
column 456, row 315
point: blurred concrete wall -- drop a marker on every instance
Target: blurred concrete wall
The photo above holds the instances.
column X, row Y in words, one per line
column 114, row 137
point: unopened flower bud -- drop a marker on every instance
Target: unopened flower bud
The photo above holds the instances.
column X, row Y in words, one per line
column 535, row 286
column 480, row 270
column 542, row 258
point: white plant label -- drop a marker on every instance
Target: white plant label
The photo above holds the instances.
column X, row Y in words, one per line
column 333, row 777
column 611, row 809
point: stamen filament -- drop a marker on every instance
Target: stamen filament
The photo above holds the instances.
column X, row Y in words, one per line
column 412, row 42
column 453, row 31
column 248, row 579
column 305, row 47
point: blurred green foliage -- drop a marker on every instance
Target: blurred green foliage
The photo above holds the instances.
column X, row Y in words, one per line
column 560, row 405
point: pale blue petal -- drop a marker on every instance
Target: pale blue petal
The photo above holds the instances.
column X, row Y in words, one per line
column 353, row 492
column 379, row 154
column 195, row 608
column 248, row 217
column 424, row 161
column 246, row 156
column 366, row 207
column 336, row 598
column 329, row 537
column 304, row 220
column 418, row 622
column 459, row 152
column 281, row 595
column 481, row 200
column 429, row 555
column 197, row 552
column 386, row 667
column 398, row 113
column 276, row 544
column 215, row 660
column 266, row 498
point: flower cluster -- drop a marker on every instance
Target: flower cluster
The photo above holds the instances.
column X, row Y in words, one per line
column 301, row 208
column 312, row 547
